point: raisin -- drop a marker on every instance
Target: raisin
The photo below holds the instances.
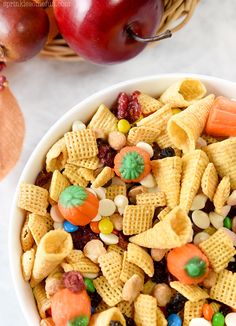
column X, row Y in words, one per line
column 225, row 310
column 115, row 323
column 123, row 241
column 106, row 154
column 209, row 207
column 129, row 321
column 95, row 299
column 156, row 151
column 176, row 304
column 167, row 152
column 232, row 212
column 43, row 179
column 160, row 272
column 82, row 236
column 232, row 265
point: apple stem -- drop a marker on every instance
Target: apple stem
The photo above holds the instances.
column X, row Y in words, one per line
column 156, row 38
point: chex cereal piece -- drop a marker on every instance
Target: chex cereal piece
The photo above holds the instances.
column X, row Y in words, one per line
column 148, row 103
column 76, row 261
column 141, row 258
column 103, row 119
column 222, row 194
column 174, row 231
column 191, row 292
column 154, row 199
column 161, row 320
column 210, row 139
column 111, row 296
column 137, row 218
column 126, row 308
column 167, row 172
column 47, row 322
column 145, row 310
column 57, row 156
column 72, row 173
column 33, row 199
column 85, row 173
column 110, row 264
column 129, row 269
column 115, row 190
column 142, row 133
column 39, row 226
column 164, row 213
column 108, row 316
column 103, row 177
column 157, row 120
column 74, row 256
column 27, row 263
column 81, row 144
column 194, row 165
column 43, row 303
column 163, row 140
column 219, row 250
column 192, row 310
column 88, row 163
column 209, row 181
column 221, row 154
column 101, row 307
column 58, row 183
column 184, row 92
column 26, row 238
column 116, row 249
column 185, row 128
column 224, row 289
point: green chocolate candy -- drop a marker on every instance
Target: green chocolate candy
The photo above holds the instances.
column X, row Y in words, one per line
column 218, row 319
column 79, row 321
column 89, row 285
column 228, row 223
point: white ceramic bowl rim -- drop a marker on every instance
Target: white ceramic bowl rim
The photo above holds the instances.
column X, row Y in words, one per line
column 152, row 85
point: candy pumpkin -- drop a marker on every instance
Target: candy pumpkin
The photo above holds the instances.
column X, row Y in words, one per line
column 222, row 118
column 132, row 164
column 67, row 306
column 77, row 205
column 188, row 264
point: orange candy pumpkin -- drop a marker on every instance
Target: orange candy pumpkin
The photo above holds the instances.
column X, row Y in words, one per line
column 77, row 205
column 132, row 164
column 188, row 264
column 67, row 305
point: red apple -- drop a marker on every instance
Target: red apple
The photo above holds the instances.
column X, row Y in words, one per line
column 23, row 29
column 97, row 30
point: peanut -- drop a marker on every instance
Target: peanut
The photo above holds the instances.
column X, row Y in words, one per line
column 116, row 140
column 94, row 249
column 158, row 254
column 117, row 221
column 163, row 293
column 136, row 191
column 132, row 288
column 210, row 280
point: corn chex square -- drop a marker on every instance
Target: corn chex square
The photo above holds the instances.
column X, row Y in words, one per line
column 110, row 295
column 141, row 258
column 192, row 292
column 104, row 120
column 81, row 144
column 161, row 320
column 126, row 308
column 129, row 269
column 116, row 249
column 33, row 199
column 154, row 199
column 72, row 172
column 43, row 303
column 219, row 250
column 137, row 218
column 39, row 226
column 110, row 264
column 192, row 310
column 115, row 190
column 145, row 310
column 224, row 289
column 58, row 183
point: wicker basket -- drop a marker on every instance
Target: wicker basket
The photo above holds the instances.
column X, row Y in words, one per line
column 176, row 14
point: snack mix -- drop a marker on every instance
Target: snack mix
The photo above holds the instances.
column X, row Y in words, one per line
column 132, row 220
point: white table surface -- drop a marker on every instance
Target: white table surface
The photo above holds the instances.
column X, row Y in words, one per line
column 46, row 89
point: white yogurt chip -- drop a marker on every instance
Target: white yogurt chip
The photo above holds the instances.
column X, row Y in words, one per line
column 230, row 319
column 109, row 239
column 225, row 210
column 199, row 322
column 97, row 218
column 101, row 192
column 146, row 147
column 92, row 191
column 199, row 202
column 232, row 199
column 201, row 219
column 107, row 207
column 56, row 215
column 200, row 237
column 216, row 220
column 148, row 181
column 78, row 125
column 121, row 201
column 90, row 275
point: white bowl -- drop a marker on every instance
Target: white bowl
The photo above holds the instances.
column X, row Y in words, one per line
column 153, row 85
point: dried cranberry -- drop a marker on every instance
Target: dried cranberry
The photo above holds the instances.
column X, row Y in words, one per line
column 106, row 154
column 74, row 281
column 123, row 241
column 156, row 150
column 135, row 94
column 209, row 206
column 82, row 236
column 134, row 110
column 122, row 105
column 43, row 179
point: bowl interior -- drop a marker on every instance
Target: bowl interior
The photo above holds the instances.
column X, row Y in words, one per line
column 153, row 85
